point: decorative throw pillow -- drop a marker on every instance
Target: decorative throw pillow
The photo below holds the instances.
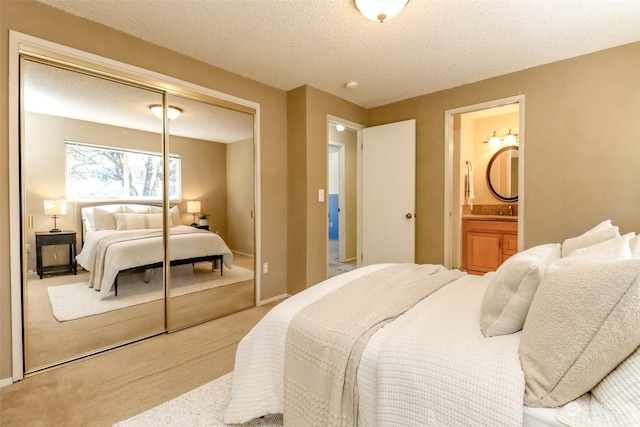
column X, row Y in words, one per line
column 616, row 249
column 154, row 220
column 175, row 216
column 583, row 321
column 612, row 403
column 508, row 297
column 129, row 221
column 104, row 219
column 634, row 246
column 597, row 234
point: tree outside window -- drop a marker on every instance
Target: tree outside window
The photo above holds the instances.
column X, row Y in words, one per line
column 112, row 173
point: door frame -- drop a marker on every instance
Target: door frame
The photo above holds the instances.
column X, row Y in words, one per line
column 341, row 196
column 452, row 219
column 18, row 41
column 358, row 127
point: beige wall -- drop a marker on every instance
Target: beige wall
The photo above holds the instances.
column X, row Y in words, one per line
column 582, row 153
column 240, row 236
column 307, row 160
column 48, row 23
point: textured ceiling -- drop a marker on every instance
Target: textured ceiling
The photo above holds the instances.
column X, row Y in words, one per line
column 432, row 45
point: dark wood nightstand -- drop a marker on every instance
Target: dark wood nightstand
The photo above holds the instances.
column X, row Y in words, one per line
column 47, row 238
column 202, row 227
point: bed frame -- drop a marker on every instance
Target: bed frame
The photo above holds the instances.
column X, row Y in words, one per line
column 213, row 258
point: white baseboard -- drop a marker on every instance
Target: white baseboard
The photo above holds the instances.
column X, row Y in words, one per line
column 242, row 253
column 278, row 297
column 5, row 382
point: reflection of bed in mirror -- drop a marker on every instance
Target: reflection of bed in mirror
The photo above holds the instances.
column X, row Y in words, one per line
column 119, row 239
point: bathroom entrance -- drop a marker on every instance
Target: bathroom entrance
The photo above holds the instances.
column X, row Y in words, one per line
column 484, row 175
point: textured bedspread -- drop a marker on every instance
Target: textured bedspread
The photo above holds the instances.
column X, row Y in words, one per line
column 326, row 339
column 429, row 367
column 106, row 252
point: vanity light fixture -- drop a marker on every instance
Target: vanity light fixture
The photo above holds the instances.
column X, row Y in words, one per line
column 494, row 141
column 55, row 208
column 380, row 10
column 510, row 139
column 340, row 128
column 172, row 112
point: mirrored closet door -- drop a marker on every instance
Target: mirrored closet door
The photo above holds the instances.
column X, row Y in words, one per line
column 91, row 154
column 211, row 248
column 125, row 201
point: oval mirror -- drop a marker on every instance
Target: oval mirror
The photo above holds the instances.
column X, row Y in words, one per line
column 502, row 174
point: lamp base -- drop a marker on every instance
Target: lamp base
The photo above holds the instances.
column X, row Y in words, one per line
column 55, row 230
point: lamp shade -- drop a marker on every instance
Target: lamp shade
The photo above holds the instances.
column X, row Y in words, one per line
column 380, row 10
column 172, row 112
column 193, row 207
column 55, row 207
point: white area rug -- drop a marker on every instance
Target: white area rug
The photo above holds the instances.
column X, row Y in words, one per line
column 78, row 300
column 202, row 407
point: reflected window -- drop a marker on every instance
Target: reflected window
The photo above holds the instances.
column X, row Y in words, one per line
column 105, row 172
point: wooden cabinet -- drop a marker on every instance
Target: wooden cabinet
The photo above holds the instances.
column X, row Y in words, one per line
column 486, row 244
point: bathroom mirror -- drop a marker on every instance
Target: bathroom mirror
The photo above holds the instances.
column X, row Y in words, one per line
column 502, row 174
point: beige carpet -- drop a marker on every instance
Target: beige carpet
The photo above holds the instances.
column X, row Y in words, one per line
column 78, row 300
column 202, row 407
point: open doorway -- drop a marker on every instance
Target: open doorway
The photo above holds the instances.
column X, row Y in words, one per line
column 342, row 196
column 469, row 153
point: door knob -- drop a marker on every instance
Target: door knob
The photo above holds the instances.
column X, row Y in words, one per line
column 409, row 216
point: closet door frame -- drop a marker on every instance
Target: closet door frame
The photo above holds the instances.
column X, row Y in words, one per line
column 19, row 44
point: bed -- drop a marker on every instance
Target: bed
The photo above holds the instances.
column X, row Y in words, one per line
column 123, row 238
column 548, row 339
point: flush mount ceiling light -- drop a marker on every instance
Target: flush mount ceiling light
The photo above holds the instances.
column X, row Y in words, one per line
column 380, row 10
column 173, row 112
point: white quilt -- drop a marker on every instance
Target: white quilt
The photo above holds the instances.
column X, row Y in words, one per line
column 185, row 242
column 431, row 366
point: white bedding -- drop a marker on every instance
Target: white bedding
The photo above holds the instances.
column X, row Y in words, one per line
column 431, row 366
column 185, row 242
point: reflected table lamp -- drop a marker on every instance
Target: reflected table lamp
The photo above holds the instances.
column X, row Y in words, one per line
column 55, row 208
column 193, row 207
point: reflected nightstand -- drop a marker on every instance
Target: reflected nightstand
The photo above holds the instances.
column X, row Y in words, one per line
column 46, row 238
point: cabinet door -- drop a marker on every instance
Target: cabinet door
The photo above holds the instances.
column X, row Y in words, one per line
column 484, row 252
column 509, row 245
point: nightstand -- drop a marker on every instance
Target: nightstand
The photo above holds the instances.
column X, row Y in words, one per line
column 46, row 238
column 202, row 227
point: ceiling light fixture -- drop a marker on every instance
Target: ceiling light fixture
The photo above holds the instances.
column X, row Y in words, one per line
column 380, row 10
column 172, row 111
column 351, row 84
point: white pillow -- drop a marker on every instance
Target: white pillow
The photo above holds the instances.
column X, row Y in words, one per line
column 154, row 220
column 129, row 221
column 175, row 216
column 104, row 219
column 582, row 323
column 597, row 234
column 612, row 403
column 136, row 209
column 634, row 246
column 616, row 249
column 508, row 297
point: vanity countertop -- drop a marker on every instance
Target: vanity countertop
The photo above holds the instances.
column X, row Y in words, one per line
column 491, row 217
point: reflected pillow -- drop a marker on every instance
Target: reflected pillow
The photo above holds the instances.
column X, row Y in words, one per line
column 175, row 216
column 508, row 297
column 582, row 323
column 154, row 220
column 130, row 221
column 597, row 234
column 104, row 219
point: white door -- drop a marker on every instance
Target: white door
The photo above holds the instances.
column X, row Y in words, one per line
column 388, row 193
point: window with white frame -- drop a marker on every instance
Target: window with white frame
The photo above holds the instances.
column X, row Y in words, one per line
column 99, row 172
